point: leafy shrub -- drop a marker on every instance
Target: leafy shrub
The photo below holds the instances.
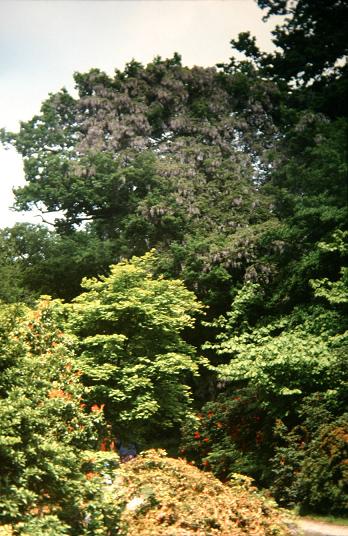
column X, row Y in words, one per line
column 165, row 496
column 322, row 482
column 48, row 440
column 232, row 434
column 311, row 463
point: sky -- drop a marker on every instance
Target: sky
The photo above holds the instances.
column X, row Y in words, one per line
column 43, row 42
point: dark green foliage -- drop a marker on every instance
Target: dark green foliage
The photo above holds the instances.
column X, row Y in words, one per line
column 159, row 156
column 309, row 188
column 37, row 261
column 232, row 434
column 310, row 37
column 280, row 416
column 310, row 465
column 310, row 60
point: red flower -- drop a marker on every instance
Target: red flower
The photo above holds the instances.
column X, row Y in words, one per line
column 196, row 435
column 107, row 444
column 258, row 437
column 103, row 446
column 91, row 475
column 95, row 407
column 206, row 439
column 58, row 393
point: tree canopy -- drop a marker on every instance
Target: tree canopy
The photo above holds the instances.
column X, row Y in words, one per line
column 159, row 156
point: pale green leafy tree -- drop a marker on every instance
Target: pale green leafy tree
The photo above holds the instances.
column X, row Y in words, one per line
column 132, row 353
column 295, row 354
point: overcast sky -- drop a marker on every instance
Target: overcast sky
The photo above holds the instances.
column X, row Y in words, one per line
column 42, row 43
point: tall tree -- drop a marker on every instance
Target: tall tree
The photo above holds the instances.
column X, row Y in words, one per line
column 159, row 156
column 310, row 60
column 133, row 357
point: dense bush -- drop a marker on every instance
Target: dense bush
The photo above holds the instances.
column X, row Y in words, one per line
column 238, row 179
column 279, row 416
column 231, row 434
column 164, row 496
column 51, row 477
column 310, row 466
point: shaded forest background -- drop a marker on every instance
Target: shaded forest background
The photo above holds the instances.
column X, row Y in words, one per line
column 204, row 210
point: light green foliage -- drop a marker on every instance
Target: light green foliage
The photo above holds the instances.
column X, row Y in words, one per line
column 278, row 360
column 129, row 327
column 291, row 355
column 294, row 354
column 45, row 433
column 335, row 292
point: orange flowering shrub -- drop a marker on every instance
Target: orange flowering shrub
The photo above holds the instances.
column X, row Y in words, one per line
column 46, row 485
column 164, row 496
column 59, row 393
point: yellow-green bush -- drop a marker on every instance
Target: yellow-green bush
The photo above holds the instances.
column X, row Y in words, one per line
column 168, row 497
